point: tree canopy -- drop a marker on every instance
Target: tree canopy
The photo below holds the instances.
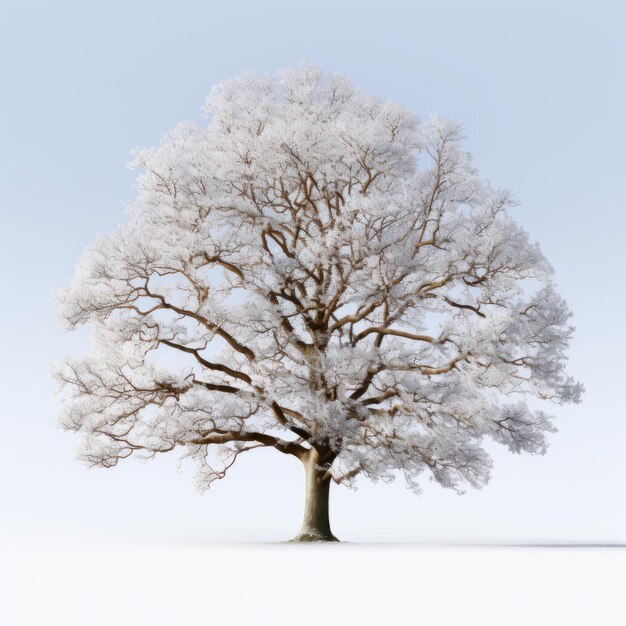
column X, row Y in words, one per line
column 319, row 272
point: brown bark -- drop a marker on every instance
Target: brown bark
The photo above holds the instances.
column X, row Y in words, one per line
column 316, row 522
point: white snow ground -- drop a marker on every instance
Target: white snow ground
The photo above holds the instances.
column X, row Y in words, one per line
column 78, row 584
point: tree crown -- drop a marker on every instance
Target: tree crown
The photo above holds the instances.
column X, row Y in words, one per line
column 315, row 269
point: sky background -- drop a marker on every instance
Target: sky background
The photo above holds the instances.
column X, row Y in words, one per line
column 540, row 88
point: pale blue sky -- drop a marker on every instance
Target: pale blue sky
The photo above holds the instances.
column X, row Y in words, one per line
column 540, row 87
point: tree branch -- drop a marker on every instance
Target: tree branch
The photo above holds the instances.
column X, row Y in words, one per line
column 286, row 447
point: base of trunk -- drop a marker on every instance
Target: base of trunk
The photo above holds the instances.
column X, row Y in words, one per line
column 312, row 537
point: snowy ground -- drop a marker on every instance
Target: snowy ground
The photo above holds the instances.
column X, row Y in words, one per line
column 263, row 584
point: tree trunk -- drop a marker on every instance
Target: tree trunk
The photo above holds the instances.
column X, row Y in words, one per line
column 316, row 523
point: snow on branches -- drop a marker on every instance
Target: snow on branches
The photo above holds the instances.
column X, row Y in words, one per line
column 315, row 269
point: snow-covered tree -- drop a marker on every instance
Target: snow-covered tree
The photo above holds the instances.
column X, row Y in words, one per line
column 322, row 273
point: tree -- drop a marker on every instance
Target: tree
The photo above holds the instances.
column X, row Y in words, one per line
column 336, row 283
